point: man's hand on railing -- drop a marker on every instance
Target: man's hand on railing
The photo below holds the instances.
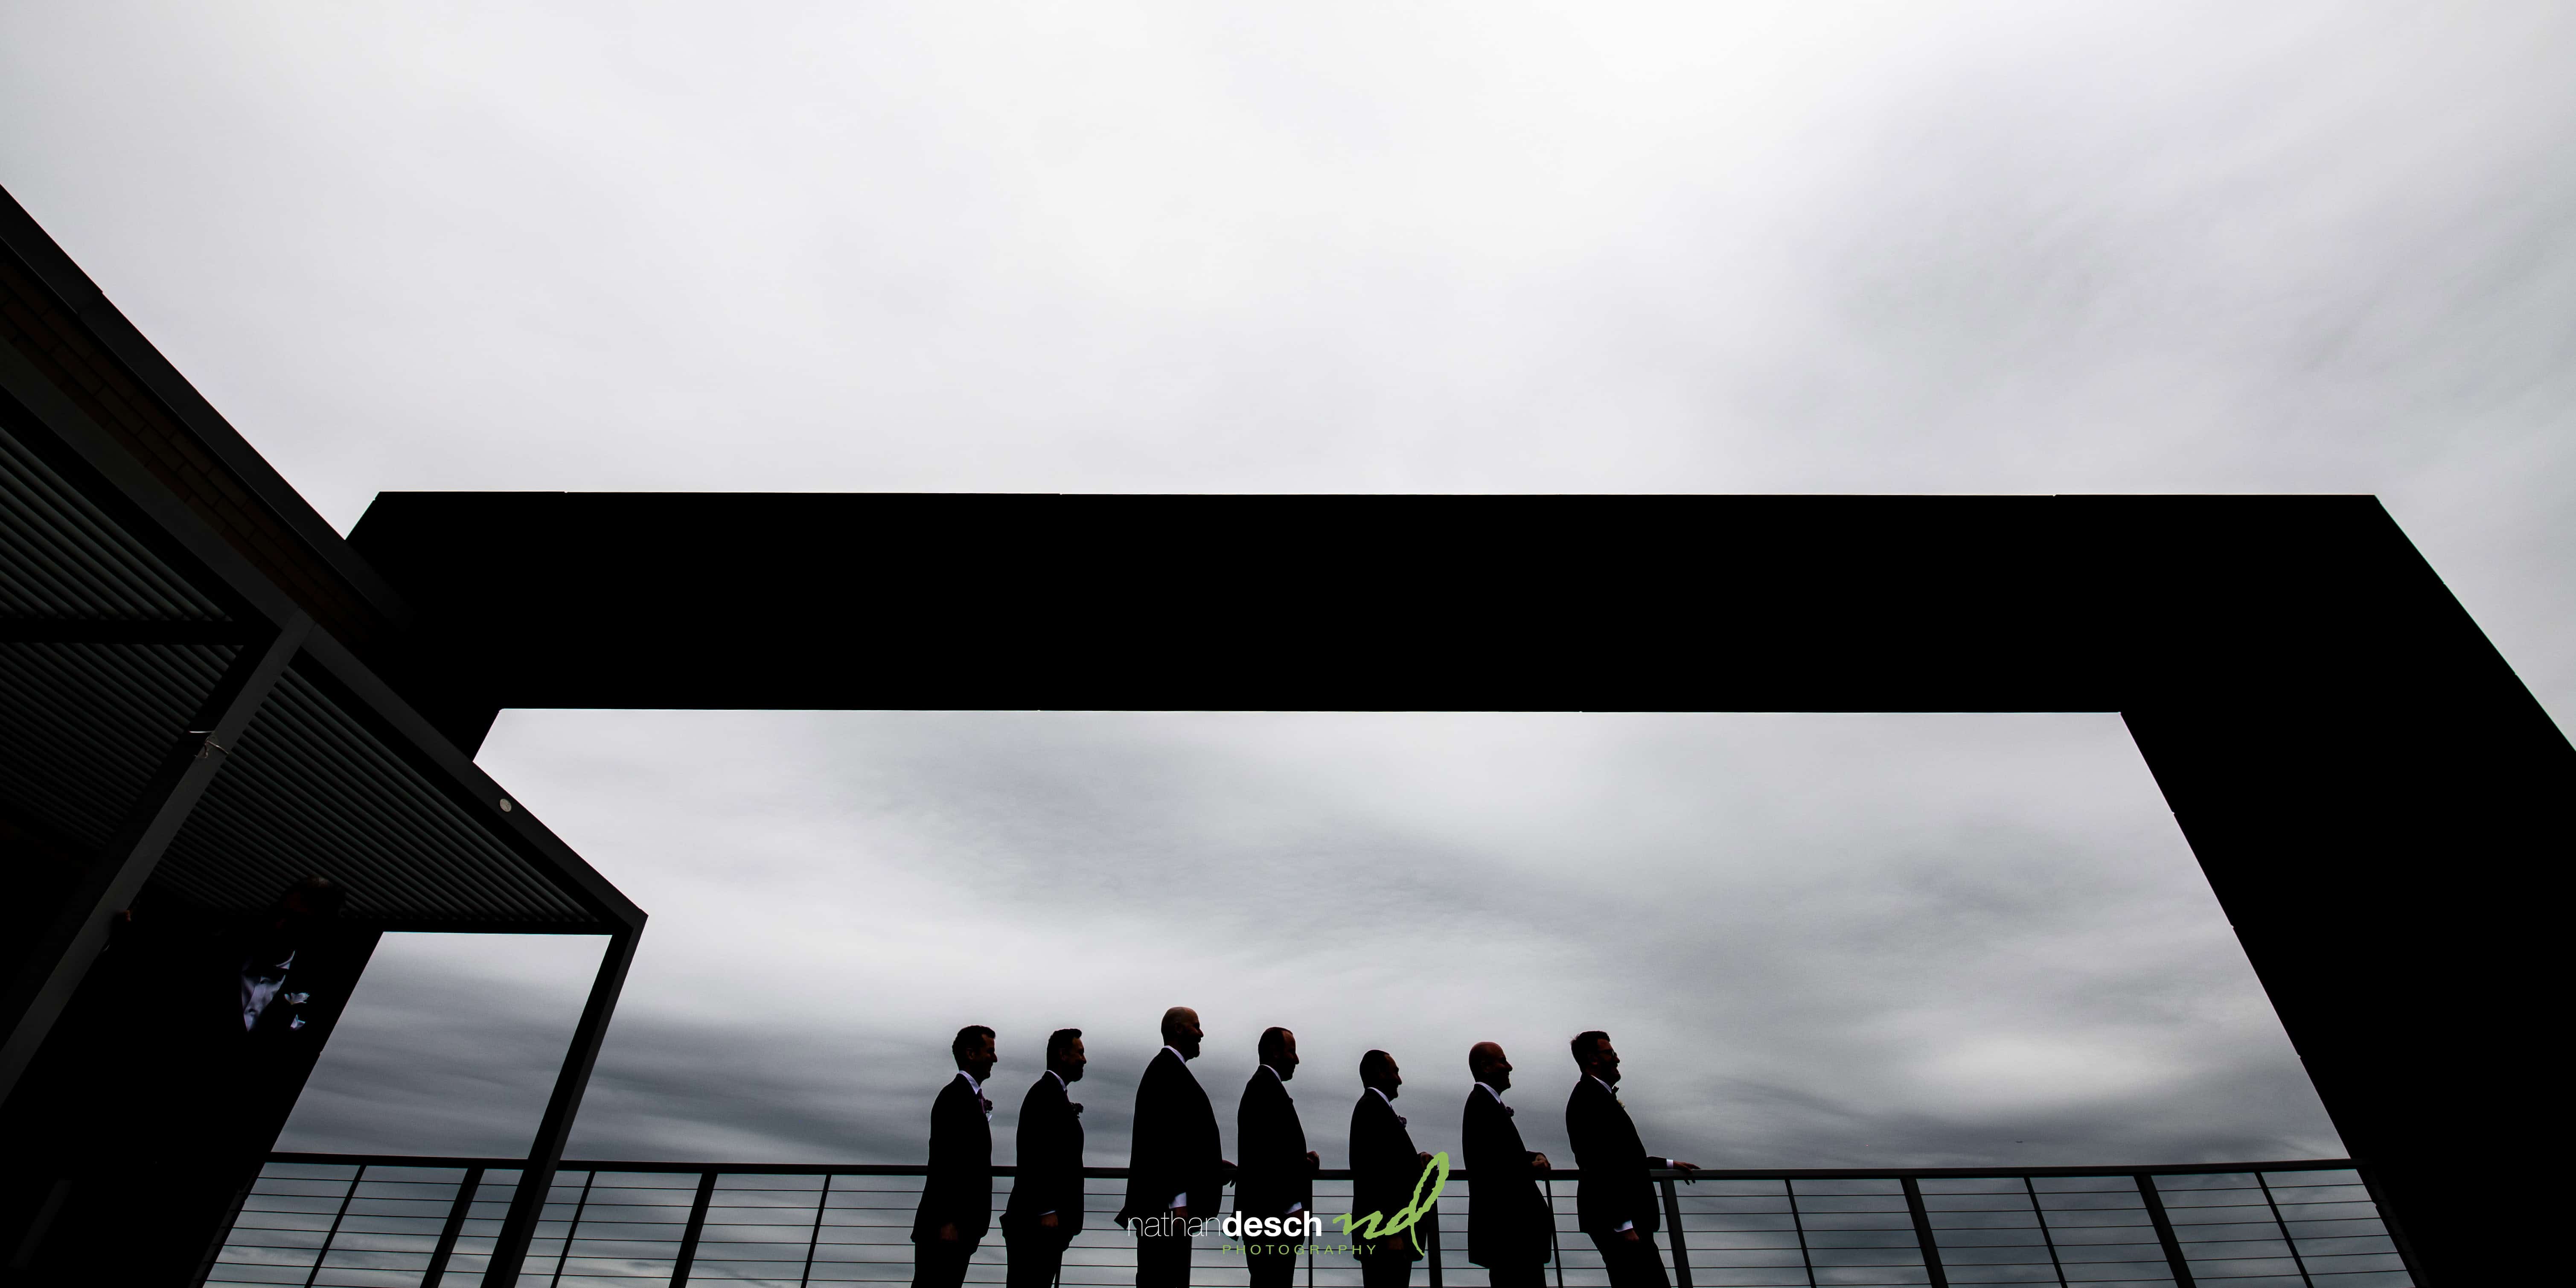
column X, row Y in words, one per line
column 1314, row 1161
column 1680, row 1166
column 1226, row 1170
column 1539, row 1163
column 1423, row 1158
column 1050, row 1221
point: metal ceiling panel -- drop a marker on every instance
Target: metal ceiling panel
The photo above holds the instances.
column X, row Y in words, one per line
column 311, row 789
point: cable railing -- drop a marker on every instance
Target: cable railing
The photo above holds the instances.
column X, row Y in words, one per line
column 378, row 1221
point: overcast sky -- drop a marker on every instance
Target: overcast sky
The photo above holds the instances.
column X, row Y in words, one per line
column 1693, row 248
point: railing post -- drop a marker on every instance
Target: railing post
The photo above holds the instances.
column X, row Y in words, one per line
column 2040, row 1215
column 815, row 1239
column 1923, row 1234
column 2287, row 1239
column 2174, row 1260
column 573, row 1227
column 1797, row 1222
column 689, row 1235
column 1432, row 1253
column 1673, row 1222
column 323, row 1253
column 456, row 1214
column 1555, row 1254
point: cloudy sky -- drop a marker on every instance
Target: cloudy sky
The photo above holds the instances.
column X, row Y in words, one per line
column 1910, row 248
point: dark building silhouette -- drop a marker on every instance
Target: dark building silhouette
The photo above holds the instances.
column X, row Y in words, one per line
column 207, row 694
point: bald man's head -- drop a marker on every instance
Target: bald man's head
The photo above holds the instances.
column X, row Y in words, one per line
column 1486, row 1063
column 1181, row 1031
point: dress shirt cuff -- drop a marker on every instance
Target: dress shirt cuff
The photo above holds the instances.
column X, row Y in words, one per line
column 1295, row 1208
column 1181, row 1199
column 1625, row 1225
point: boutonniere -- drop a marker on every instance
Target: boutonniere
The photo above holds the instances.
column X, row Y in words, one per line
column 1507, row 1110
column 987, row 1104
column 1400, row 1120
column 1077, row 1110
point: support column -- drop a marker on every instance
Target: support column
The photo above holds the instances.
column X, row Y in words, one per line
column 68, row 945
column 537, row 1179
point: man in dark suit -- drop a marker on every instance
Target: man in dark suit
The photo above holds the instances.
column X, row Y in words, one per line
column 1385, row 1169
column 957, row 1196
column 1509, row 1227
column 1278, row 1171
column 1045, row 1210
column 1176, row 1166
column 165, row 1084
column 1615, row 1201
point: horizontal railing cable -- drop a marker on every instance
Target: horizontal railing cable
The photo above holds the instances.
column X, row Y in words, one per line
column 342, row 1220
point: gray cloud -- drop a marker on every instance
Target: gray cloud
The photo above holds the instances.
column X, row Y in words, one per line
column 1819, row 938
column 1993, row 247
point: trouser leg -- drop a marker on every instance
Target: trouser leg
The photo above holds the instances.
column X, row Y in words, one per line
column 1517, row 1274
column 1632, row 1263
column 1272, row 1262
column 1163, row 1261
column 938, row 1263
column 1386, row 1271
column 1035, row 1256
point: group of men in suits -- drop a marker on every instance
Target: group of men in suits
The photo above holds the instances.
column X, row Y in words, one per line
column 1177, row 1171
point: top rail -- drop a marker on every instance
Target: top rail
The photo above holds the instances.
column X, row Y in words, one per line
column 1330, row 1173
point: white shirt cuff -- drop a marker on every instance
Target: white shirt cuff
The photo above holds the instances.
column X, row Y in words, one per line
column 1295, row 1208
column 1178, row 1200
column 1625, row 1225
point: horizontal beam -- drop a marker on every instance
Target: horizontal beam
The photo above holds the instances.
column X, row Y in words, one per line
column 1329, row 1173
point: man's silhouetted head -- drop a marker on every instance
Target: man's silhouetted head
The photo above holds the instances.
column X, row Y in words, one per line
column 1278, row 1049
column 1377, row 1069
column 973, row 1047
column 1181, row 1031
column 1485, row 1063
column 1065, row 1054
column 1595, row 1056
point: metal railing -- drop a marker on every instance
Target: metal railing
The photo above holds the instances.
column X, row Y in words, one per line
column 349, row 1220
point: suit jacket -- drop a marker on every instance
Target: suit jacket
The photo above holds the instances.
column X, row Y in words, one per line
column 1384, row 1164
column 1508, row 1223
column 960, row 1185
column 1615, row 1187
column 1050, row 1141
column 1273, row 1171
column 1175, row 1148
